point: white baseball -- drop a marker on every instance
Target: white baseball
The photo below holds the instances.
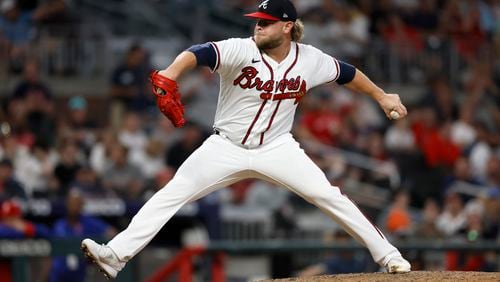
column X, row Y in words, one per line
column 394, row 115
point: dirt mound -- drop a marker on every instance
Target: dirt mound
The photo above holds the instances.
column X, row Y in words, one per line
column 412, row 276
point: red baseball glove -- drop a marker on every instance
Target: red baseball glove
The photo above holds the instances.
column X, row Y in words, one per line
column 168, row 98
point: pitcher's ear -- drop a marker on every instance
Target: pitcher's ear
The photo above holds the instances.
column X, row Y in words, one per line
column 288, row 27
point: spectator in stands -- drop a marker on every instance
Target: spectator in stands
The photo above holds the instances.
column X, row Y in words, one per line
column 35, row 171
column 400, row 144
column 80, row 124
column 439, row 97
column 132, row 133
column 399, row 222
column 150, row 159
column 462, row 132
column 433, row 140
column 491, row 203
column 482, row 91
column 76, row 225
column 122, row 177
column 453, row 218
column 66, row 169
column 472, row 231
column 165, row 132
column 322, row 122
column 431, row 127
column 424, row 17
column 426, row 228
column 317, row 19
column 12, row 149
column 347, row 34
column 379, row 15
column 18, row 137
column 373, row 147
column 463, row 22
column 129, row 88
column 32, row 85
column 461, row 175
column 192, row 138
column 65, row 52
column 89, row 184
column 33, row 100
column 10, row 188
column 363, row 114
column 100, row 154
column 481, row 151
column 18, row 28
column 12, row 224
column 200, row 98
column 492, row 175
column 404, row 40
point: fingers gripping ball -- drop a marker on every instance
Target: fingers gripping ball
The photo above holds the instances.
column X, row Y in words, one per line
column 168, row 98
column 394, row 115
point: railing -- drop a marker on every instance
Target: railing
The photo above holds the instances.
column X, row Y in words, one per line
column 383, row 62
column 465, row 188
column 53, row 247
column 89, row 51
column 79, row 51
column 66, row 54
column 245, row 223
column 85, row 50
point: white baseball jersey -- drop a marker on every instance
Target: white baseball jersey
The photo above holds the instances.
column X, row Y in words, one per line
column 258, row 96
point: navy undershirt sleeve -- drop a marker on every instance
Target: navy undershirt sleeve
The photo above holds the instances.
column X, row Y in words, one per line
column 205, row 54
column 347, row 73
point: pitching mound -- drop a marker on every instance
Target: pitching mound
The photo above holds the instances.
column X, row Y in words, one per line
column 412, row 276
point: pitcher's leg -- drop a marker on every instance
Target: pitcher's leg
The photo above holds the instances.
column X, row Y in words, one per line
column 303, row 177
column 207, row 169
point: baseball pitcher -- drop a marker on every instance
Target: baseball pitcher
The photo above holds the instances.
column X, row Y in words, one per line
column 262, row 79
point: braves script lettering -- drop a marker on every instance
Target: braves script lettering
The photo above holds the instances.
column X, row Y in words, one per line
column 248, row 79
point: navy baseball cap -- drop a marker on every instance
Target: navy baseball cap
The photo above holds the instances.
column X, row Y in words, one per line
column 275, row 10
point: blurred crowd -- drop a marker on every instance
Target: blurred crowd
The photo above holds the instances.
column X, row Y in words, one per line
column 77, row 148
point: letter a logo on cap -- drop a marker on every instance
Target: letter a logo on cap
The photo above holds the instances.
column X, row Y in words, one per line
column 263, row 5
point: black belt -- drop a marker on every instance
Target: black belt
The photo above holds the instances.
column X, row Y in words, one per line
column 217, row 132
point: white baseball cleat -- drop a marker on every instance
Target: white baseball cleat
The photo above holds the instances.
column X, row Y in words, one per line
column 397, row 264
column 102, row 255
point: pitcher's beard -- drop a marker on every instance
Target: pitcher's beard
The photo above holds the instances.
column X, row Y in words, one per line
column 269, row 43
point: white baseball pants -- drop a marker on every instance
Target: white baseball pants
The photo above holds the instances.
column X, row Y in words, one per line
column 219, row 163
